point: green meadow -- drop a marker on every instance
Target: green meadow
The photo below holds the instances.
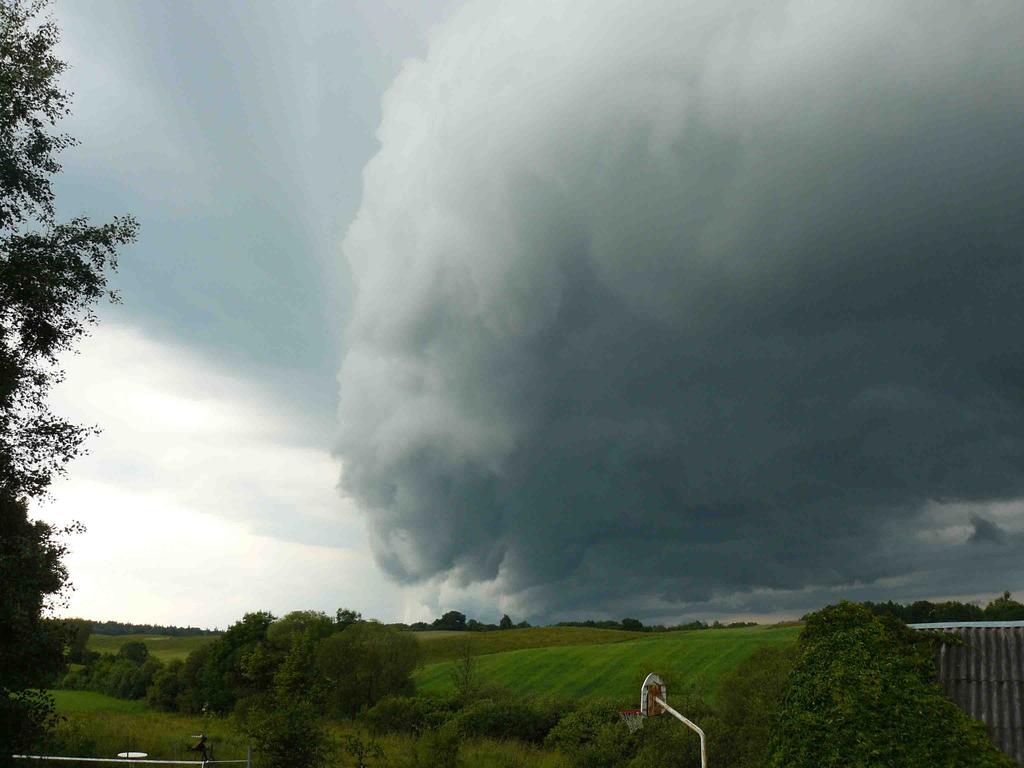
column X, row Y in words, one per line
column 614, row 669
column 162, row 647
column 445, row 646
column 87, row 701
column 94, row 725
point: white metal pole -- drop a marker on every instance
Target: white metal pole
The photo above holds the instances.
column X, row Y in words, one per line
column 692, row 725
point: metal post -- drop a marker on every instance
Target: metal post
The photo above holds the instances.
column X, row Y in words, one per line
column 248, row 756
column 693, row 726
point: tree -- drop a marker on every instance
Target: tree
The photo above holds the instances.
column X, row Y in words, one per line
column 296, row 625
column 506, row 622
column 135, row 651
column 463, row 673
column 230, row 672
column 862, row 692
column 78, row 631
column 51, row 275
column 1004, row 608
column 363, row 664
column 632, row 625
column 452, row 620
column 346, row 617
column 749, row 701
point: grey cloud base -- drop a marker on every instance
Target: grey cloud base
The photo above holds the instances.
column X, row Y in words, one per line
column 654, row 308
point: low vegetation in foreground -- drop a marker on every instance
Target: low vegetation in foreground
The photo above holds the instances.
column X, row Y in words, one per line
column 851, row 687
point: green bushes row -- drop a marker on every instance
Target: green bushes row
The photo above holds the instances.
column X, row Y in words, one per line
column 126, row 675
column 591, row 734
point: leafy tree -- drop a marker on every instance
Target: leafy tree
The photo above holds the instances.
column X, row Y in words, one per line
column 31, row 649
column 135, row 651
column 749, row 702
column 464, row 674
column 452, row 620
column 192, row 681
column 229, row 671
column 863, row 693
column 506, row 622
column 363, row 664
column 346, row 617
column 286, row 731
column 632, row 625
column 166, row 687
column 296, row 625
column 1004, row 608
column 76, row 632
column 51, row 275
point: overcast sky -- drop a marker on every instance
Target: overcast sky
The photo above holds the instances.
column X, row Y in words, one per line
column 701, row 311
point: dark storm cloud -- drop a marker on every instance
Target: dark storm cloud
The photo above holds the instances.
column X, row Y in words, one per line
column 657, row 308
column 985, row 531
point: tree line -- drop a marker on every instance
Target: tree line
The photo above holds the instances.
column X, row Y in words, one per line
column 456, row 621
column 635, row 625
column 1002, row 608
column 339, row 664
column 121, row 628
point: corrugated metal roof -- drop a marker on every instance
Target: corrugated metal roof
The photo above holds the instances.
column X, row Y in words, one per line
column 985, row 677
column 958, row 624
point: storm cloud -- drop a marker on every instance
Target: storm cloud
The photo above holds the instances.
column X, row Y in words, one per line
column 657, row 305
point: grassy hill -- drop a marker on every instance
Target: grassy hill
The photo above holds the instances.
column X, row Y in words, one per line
column 444, row 646
column 161, row 646
column 615, row 668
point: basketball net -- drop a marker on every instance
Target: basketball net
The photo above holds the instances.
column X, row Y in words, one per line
column 634, row 719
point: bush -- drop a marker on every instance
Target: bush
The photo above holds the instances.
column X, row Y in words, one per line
column 862, row 693
column 166, row 687
column 749, row 702
column 612, row 747
column 435, row 749
column 286, row 734
column 524, row 720
column 580, row 728
column 406, row 714
column 664, row 742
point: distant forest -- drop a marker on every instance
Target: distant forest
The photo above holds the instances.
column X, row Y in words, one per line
column 120, row 628
column 1002, row 608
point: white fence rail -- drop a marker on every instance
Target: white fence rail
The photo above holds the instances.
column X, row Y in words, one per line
column 132, row 760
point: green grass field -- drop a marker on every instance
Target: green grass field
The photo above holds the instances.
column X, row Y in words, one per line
column 95, row 725
column 614, row 670
column 161, row 646
column 87, row 701
column 444, row 646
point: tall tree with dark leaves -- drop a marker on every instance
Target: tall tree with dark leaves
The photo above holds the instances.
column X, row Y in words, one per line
column 52, row 273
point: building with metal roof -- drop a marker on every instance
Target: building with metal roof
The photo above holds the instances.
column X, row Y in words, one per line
column 985, row 676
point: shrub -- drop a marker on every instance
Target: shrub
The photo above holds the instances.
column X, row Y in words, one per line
column 612, row 747
column 163, row 692
column 435, row 749
column 664, row 742
column 749, row 702
column 524, row 720
column 579, row 728
column 286, row 733
column 862, row 693
column 406, row 714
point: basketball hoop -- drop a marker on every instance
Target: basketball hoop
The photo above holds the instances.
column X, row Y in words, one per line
column 634, row 719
